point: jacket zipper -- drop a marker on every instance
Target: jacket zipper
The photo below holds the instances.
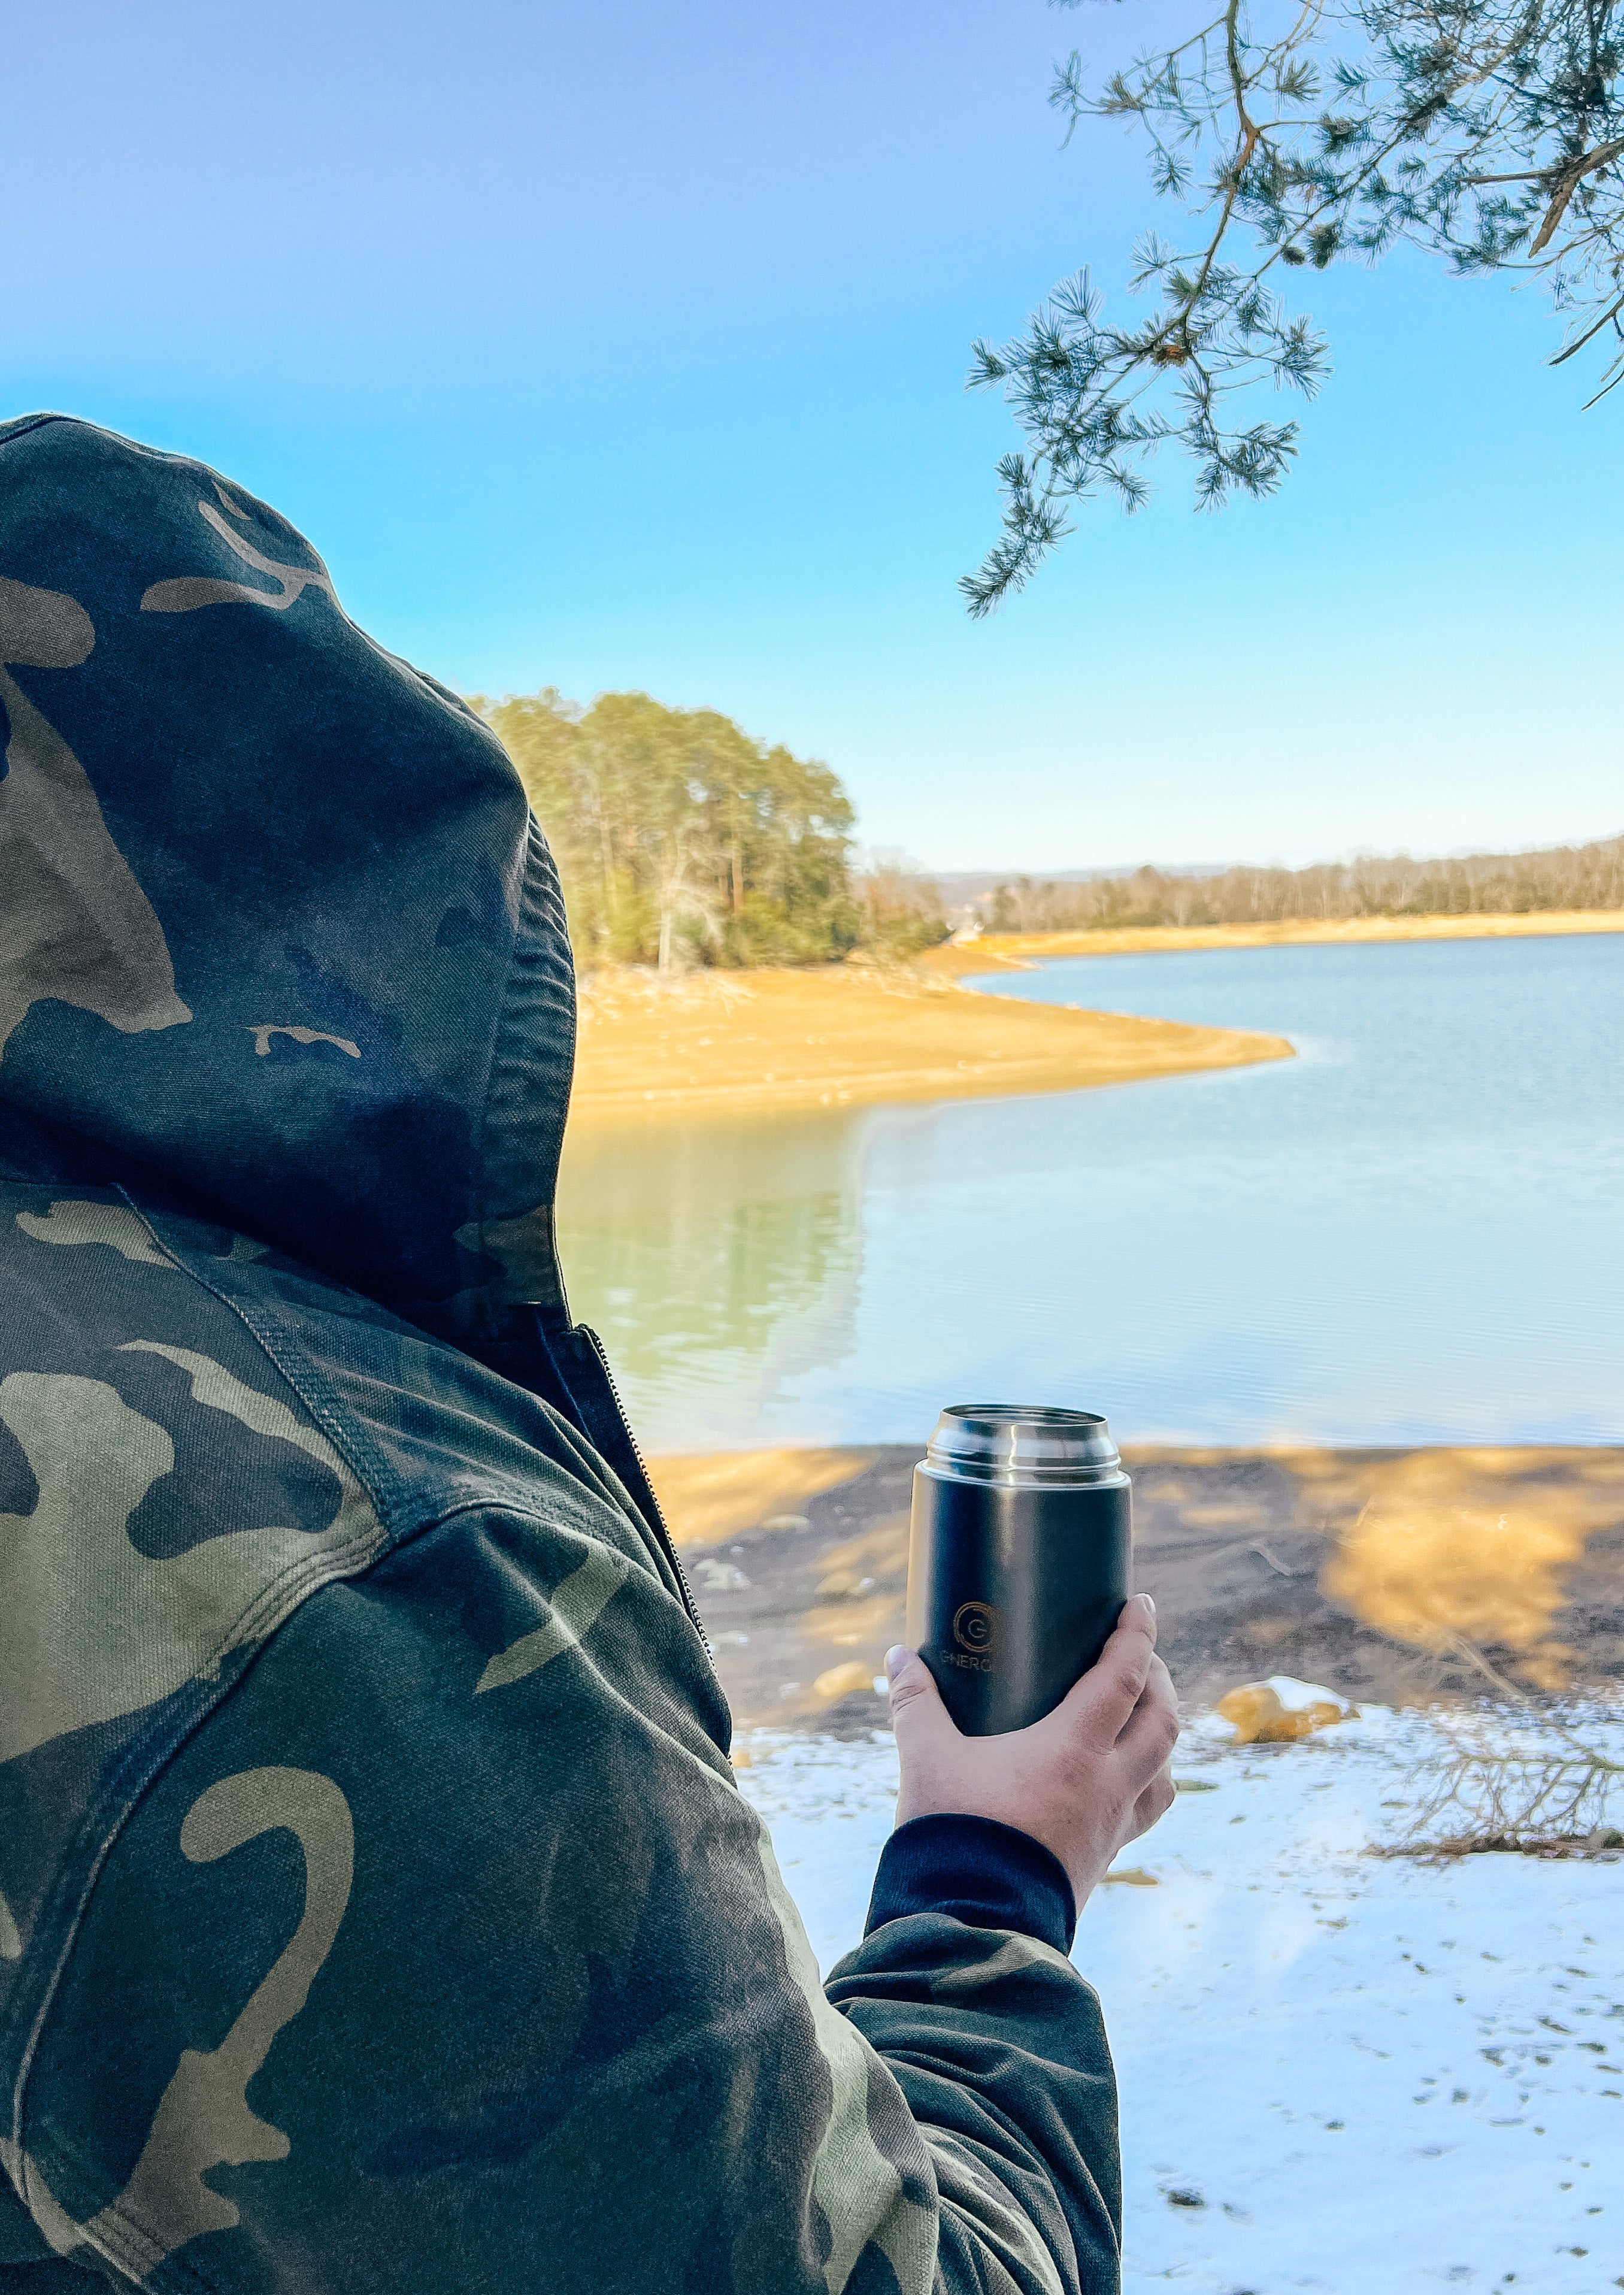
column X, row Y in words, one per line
column 667, row 1544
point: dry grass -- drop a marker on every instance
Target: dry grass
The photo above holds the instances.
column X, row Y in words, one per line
column 1259, row 1718
column 841, row 1035
column 1453, row 1548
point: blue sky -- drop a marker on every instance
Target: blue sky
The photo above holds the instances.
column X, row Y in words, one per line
column 625, row 346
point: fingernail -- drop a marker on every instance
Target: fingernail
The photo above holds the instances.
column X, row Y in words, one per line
column 1148, row 1602
column 896, row 1657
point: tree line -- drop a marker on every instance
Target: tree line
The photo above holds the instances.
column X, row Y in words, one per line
column 683, row 840
column 1479, row 883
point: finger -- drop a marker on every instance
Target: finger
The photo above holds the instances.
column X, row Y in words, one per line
column 1107, row 1693
column 1152, row 1803
column 917, row 1715
column 1152, row 1729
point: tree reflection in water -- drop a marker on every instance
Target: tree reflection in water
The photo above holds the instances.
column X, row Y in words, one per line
column 717, row 1259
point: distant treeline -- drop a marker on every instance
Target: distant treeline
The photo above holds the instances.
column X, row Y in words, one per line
column 680, row 839
column 1483, row 884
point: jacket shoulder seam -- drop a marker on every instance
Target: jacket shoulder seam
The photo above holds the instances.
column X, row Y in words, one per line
column 376, row 1478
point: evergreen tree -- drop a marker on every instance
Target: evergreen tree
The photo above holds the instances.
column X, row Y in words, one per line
column 681, row 838
column 1300, row 133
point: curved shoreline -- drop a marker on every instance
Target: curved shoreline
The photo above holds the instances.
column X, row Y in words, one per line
column 773, row 1041
column 782, row 1041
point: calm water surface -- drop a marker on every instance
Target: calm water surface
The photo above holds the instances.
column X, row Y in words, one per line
column 1413, row 1231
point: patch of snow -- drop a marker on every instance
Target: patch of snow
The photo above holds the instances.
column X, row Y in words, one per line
column 1296, row 1697
column 1353, row 2075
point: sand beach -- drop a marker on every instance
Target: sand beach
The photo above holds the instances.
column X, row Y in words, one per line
column 779, row 1039
column 837, row 1036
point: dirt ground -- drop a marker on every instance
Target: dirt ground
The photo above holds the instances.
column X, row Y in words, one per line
column 1392, row 1575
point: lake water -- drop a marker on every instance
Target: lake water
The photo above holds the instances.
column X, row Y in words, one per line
column 1412, row 1232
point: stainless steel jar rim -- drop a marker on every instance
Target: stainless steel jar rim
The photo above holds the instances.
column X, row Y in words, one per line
column 1024, row 1445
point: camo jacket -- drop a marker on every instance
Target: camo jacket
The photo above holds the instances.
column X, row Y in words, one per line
column 377, row 1910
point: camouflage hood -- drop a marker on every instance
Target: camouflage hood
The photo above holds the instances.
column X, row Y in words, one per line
column 279, row 938
column 378, row 1911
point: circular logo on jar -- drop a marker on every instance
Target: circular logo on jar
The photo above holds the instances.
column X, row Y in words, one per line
column 976, row 1627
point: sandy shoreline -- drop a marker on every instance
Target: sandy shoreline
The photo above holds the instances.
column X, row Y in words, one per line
column 996, row 952
column 837, row 1035
column 777, row 1041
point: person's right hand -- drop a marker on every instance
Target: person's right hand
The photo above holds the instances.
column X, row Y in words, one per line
column 1087, row 1779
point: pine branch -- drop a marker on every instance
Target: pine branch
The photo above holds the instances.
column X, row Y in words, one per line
column 1433, row 98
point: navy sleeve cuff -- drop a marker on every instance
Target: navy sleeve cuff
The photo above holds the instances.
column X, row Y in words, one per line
column 984, row 1873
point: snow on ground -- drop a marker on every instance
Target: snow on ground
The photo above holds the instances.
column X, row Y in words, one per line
column 1339, row 2072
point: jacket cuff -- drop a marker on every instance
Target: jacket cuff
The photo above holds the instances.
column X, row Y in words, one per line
column 977, row 1871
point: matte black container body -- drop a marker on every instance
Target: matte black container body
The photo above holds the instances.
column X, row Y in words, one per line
column 1013, row 1591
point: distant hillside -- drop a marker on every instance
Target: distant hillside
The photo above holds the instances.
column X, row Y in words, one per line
column 1477, row 883
column 958, row 888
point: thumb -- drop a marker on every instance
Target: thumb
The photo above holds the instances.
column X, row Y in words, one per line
column 1104, row 1697
column 918, row 1714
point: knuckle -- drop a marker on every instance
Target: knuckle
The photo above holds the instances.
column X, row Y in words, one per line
column 1101, row 1727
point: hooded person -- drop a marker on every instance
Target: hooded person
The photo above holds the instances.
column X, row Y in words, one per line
column 377, row 1910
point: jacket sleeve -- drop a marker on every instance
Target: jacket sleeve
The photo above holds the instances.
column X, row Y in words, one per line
column 963, row 1986
column 446, row 1955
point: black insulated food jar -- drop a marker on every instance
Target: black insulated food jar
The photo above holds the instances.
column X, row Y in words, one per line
column 1018, row 1560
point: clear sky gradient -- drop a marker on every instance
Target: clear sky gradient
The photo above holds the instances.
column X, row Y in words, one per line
column 623, row 346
